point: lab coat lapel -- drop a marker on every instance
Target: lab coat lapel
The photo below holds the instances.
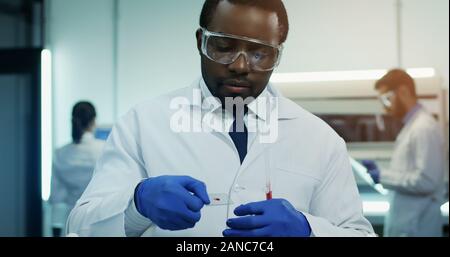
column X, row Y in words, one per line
column 217, row 128
column 286, row 113
column 210, row 122
column 405, row 130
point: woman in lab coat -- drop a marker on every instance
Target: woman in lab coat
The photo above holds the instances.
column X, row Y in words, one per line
column 73, row 164
column 416, row 173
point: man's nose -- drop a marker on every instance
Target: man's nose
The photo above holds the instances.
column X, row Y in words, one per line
column 241, row 65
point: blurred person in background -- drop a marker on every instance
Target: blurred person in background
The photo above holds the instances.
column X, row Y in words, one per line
column 73, row 165
column 416, row 173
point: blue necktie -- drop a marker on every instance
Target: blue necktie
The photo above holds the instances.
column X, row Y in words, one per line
column 239, row 136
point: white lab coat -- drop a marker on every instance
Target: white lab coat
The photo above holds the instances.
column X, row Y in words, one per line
column 309, row 167
column 73, row 166
column 416, row 179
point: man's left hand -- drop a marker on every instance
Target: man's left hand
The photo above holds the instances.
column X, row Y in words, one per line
column 272, row 218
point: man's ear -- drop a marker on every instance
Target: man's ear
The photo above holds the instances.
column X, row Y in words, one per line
column 198, row 35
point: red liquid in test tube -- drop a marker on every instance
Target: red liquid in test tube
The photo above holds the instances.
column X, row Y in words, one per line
column 268, row 180
column 269, row 195
column 268, row 191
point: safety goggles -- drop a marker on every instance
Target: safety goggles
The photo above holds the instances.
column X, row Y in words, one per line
column 386, row 99
column 226, row 49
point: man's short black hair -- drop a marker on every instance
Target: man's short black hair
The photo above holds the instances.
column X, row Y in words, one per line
column 276, row 6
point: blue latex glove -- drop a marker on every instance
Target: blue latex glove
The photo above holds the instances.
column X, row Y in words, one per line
column 372, row 169
column 171, row 202
column 272, row 218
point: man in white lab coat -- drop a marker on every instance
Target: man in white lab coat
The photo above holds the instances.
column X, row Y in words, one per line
column 189, row 164
column 416, row 173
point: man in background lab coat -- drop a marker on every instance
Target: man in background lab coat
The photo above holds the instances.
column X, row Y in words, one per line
column 416, row 173
column 217, row 175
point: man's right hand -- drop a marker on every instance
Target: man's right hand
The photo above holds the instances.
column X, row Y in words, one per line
column 171, row 202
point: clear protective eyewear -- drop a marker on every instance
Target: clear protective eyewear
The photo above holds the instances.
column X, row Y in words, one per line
column 226, row 49
column 386, row 99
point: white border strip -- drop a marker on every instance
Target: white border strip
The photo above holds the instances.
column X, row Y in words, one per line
column 46, row 123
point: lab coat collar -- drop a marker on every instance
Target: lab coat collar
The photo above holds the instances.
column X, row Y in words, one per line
column 286, row 108
column 87, row 137
column 412, row 113
column 257, row 107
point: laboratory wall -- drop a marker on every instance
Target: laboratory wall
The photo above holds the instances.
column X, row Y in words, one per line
column 425, row 37
column 118, row 53
column 340, row 35
column 80, row 38
column 157, row 48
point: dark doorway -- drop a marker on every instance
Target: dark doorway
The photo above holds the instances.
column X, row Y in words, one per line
column 20, row 141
